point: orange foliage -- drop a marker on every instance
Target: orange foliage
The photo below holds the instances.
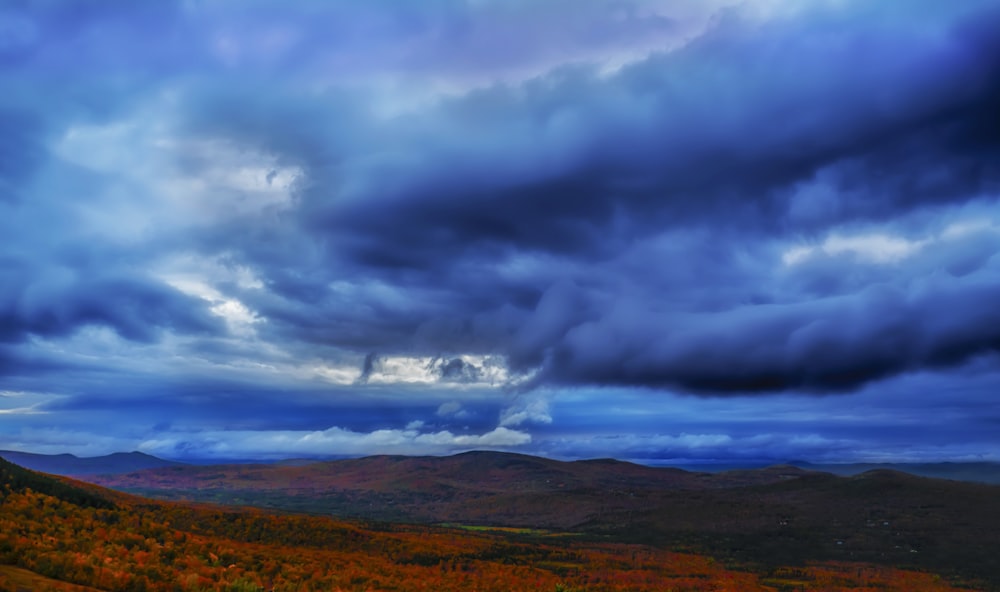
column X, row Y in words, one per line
column 146, row 546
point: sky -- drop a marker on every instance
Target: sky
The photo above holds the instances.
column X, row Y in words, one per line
column 668, row 231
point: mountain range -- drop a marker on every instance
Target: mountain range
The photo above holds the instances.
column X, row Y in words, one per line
column 768, row 517
column 125, row 462
column 61, row 535
column 69, row 464
column 780, row 515
column 975, row 472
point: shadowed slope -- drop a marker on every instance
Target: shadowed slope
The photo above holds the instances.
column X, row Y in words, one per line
column 16, row 479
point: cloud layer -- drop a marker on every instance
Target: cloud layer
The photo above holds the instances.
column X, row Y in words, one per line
column 484, row 208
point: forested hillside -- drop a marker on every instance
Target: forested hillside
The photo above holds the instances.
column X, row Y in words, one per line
column 769, row 517
column 61, row 533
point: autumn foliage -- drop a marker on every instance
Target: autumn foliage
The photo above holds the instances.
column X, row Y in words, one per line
column 137, row 545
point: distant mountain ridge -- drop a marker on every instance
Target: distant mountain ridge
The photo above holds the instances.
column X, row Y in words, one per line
column 975, row 472
column 71, row 465
column 126, row 462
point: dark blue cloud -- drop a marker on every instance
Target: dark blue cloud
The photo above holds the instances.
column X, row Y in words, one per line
column 236, row 405
column 833, row 344
column 722, row 134
column 57, row 301
column 215, row 212
column 555, row 163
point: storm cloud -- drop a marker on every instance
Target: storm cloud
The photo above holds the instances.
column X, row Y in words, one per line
column 509, row 203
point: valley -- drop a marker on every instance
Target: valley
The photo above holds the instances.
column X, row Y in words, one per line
column 760, row 522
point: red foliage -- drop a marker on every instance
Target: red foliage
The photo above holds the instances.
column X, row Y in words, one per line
column 168, row 547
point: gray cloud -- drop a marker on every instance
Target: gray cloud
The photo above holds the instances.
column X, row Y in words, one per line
column 368, row 366
column 61, row 301
column 832, row 344
column 707, row 198
column 577, row 167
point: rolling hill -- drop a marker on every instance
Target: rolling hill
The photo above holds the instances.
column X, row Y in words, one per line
column 774, row 516
column 57, row 534
column 481, row 487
